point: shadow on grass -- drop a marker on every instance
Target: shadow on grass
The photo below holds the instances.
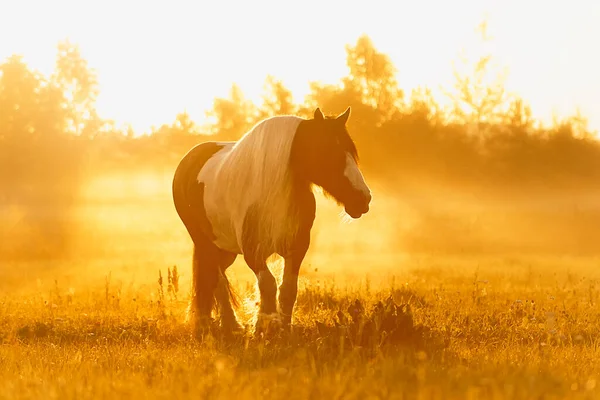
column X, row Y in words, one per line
column 354, row 328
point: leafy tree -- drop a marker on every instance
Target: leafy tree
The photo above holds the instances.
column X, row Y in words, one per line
column 331, row 98
column 518, row 116
column 370, row 88
column 184, row 124
column 31, row 106
column 231, row 117
column 477, row 98
column 277, row 99
column 372, row 77
column 79, row 84
column 39, row 160
column 423, row 104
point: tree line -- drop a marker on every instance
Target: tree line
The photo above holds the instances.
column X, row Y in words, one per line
column 51, row 133
column 486, row 135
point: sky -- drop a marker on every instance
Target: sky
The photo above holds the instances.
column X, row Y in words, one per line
column 155, row 59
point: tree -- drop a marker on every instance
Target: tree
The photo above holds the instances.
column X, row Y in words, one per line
column 370, row 88
column 40, row 161
column 423, row 104
column 184, row 124
column 277, row 99
column 477, row 98
column 232, row 116
column 30, row 105
column 518, row 117
column 79, row 83
column 372, row 76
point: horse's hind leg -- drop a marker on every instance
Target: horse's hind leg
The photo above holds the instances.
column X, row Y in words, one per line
column 205, row 279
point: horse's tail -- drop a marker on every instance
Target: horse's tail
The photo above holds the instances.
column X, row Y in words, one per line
column 183, row 199
column 233, row 295
column 207, row 286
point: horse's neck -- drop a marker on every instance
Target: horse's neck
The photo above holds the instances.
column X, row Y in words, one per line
column 303, row 199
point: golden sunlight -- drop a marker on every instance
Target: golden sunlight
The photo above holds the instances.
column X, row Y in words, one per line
column 453, row 252
column 165, row 58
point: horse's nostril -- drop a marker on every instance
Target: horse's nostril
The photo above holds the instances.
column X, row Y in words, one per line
column 367, row 198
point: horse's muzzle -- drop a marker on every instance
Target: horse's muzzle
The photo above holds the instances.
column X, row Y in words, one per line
column 359, row 207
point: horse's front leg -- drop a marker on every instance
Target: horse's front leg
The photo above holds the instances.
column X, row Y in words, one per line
column 229, row 320
column 256, row 259
column 288, row 290
column 267, row 285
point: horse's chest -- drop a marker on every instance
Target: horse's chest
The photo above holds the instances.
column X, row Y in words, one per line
column 236, row 228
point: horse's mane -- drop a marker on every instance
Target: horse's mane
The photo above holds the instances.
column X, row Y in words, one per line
column 256, row 172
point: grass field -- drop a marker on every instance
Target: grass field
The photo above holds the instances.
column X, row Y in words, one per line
column 369, row 323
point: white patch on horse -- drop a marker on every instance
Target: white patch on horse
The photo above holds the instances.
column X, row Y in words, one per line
column 352, row 172
column 220, row 223
column 253, row 171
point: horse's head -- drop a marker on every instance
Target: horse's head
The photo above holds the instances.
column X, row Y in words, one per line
column 323, row 153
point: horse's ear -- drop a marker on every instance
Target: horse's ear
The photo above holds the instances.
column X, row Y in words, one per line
column 343, row 118
column 318, row 115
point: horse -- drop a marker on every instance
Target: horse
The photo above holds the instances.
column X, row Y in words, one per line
column 254, row 197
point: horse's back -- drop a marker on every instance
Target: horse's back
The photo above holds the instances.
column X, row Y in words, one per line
column 237, row 185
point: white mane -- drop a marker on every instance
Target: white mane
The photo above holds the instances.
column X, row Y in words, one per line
column 256, row 172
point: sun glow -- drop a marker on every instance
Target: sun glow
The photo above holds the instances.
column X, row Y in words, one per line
column 160, row 59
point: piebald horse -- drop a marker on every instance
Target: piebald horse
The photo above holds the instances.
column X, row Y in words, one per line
column 254, row 197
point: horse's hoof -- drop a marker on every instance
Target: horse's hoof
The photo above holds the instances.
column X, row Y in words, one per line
column 232, row 329
column 286, row 322
column 268, row 325
column 203, row 327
